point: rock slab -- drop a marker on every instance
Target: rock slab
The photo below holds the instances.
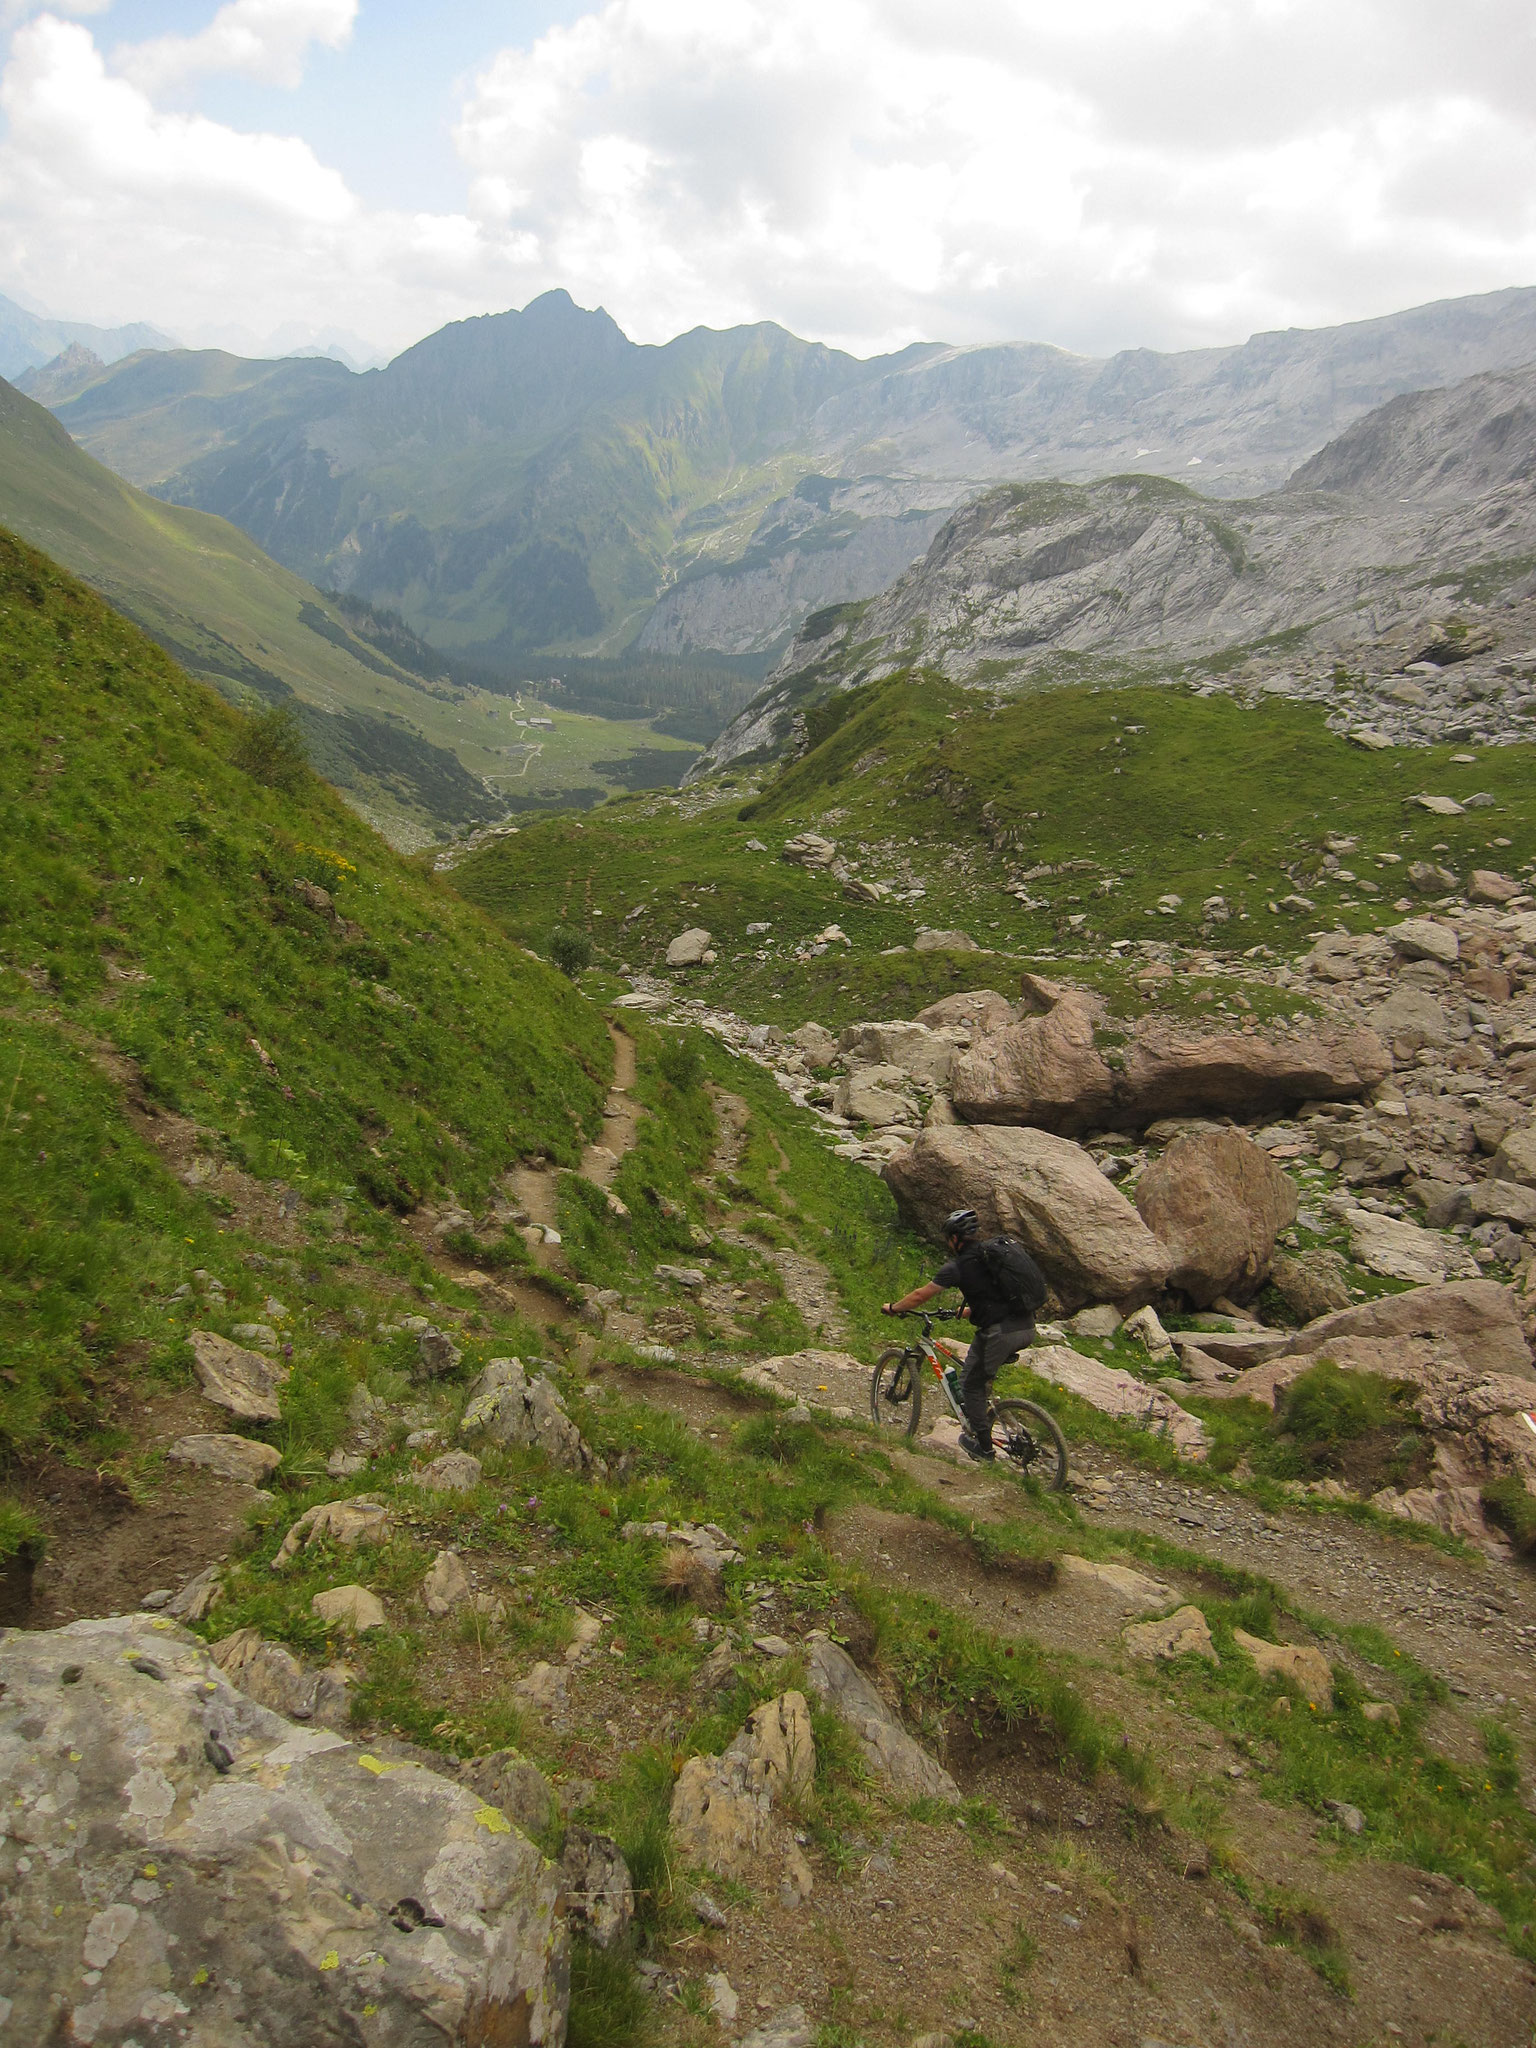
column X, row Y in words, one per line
column 891, row 1753
column 297, row 1884
column 506, row 1407
column 1182, row 1634
column 242, row 1381
column 231, row 1457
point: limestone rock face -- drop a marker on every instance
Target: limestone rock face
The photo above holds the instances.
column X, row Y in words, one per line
column 297, row 1882
column 244, row 1382
column 506, row 1407
column 272, row 1676
column 890, row 1752
column 231, row 1457
column 1049, row 1071
column 1218, row 1203
column 1044, row 1190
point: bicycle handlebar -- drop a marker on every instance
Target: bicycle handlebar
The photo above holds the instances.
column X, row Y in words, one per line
column 928, row 1315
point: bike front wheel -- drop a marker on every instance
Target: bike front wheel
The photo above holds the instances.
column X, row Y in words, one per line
column 1028, row 1437
column 896, row 1391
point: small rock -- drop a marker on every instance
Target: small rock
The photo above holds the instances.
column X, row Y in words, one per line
column 723, row 2001
column 543, row 1690
column 1349, row 1818
column 682, row 1276
column 152, row 1603
column 1381, row 1711
column 353, row 1606
column 707, row 1911
column 438, row 1353
column 1133, row 1590
column 1183, row 1634
column 788, row 2028
column 363, row 1519
column 231, row 1457
column 598, row 1886
column 244, row 1382
column 446, row 1585
column 453, row 1472
column 772, row 1646
column 1302, row 1664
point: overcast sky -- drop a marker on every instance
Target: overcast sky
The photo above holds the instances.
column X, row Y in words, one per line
column 1104, row 174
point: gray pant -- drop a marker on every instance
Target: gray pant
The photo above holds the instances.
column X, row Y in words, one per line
column 990, row 1351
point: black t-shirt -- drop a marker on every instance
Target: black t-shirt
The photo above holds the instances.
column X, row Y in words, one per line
column 968, row 1270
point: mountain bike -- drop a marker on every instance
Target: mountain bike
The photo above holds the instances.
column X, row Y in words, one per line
column 1026, row 1435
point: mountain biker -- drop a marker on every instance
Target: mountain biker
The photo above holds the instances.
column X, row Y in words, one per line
column 1002, row 1288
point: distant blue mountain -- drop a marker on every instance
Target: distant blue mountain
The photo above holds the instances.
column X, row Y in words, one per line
column 30, row 339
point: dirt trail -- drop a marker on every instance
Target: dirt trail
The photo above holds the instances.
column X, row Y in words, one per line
column 805, row 1280
column 537, row 1187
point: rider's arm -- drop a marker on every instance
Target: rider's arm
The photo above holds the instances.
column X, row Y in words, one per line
column 918, row 1298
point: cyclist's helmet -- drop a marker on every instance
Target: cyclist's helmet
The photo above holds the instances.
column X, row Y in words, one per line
column 962, row 1223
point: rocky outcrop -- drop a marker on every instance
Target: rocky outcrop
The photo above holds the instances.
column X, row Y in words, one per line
column 506, row 1407
column 1478, row 1317
column 722, row 1806
column 203, row 1868
column 977, row 1010
column 1089, row 1241
column 913, row 1050
column 1217, row 1203
column 1053, row 1071
column 890, row 1753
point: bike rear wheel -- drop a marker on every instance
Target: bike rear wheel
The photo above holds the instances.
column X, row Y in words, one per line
column 1028, row 1437
column 896, row 1391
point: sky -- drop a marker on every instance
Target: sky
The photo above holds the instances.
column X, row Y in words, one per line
column 1104, row 175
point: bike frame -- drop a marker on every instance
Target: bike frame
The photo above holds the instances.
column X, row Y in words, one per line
column 927, row 1348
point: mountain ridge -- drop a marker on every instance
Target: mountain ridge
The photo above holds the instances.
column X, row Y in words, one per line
column 535, row 480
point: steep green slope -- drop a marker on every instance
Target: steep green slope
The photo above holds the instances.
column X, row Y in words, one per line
column 1066, row 822
column 163, row 933
column 230, row 614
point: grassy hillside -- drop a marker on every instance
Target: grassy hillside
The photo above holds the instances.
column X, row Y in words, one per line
column 413, row 750
column 1097, row 805
column 162, row 943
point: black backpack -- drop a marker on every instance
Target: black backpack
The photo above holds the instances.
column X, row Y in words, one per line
column 1017, row 1278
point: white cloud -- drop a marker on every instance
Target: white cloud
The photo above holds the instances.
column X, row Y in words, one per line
column 1101, row 174
column 262, row 39
column 865, row 171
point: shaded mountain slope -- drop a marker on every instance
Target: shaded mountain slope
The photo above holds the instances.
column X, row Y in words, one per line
column 231, row 615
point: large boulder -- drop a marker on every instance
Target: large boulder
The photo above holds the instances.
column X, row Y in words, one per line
column 1043, row 1071
column 1399, row 1250
column 1053, row 1072
column 199, row 1868
column 1090, row 1243
column 1218, row 1203
column 1410, row 1019
column 689, row 948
